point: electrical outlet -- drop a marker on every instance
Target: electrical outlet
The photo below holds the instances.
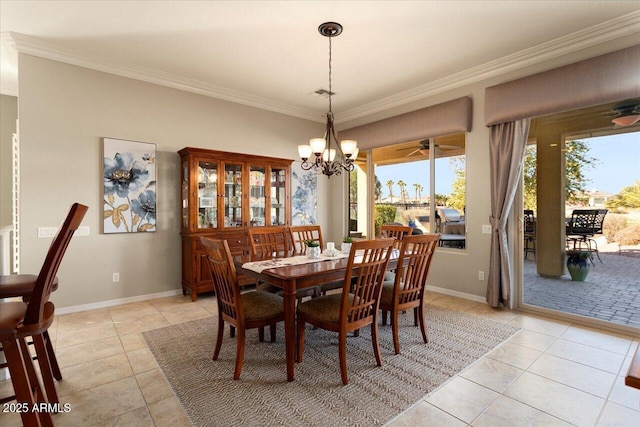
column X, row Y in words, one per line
column 486, row 229
column 116, row 277
column 480, row 275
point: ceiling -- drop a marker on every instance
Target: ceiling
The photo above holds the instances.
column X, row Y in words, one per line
column 269, row 54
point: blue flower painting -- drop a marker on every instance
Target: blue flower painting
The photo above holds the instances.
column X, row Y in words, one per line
column 304, row 200
column 129, row 173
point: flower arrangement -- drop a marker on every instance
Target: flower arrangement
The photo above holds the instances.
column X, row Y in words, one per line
column 312, row 243
column 347, row 239
column 579, row 255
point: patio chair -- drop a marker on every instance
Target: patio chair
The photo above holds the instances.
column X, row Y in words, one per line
column 583, row 226
column 529, row 233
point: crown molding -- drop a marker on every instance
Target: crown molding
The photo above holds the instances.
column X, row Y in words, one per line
column 607, row 31
column 9, row 86
column 32, row 46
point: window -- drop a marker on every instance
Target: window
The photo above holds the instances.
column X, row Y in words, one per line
column 410, row 180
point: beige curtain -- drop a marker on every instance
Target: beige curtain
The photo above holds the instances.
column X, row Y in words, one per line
column 507, row 147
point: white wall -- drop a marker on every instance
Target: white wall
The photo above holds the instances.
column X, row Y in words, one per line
column 8, row 116
column 64, row 111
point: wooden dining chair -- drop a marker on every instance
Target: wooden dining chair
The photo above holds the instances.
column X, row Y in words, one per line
column 356, row 306
column 21, row 320
column 303, row 233
column 406, row 291
column 267, row 241
column 394, row 231
column 242, row 311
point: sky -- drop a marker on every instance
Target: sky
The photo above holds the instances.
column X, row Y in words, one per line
column 617, row 166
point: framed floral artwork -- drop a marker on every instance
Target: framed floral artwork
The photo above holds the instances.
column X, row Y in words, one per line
column 304, row 200
column 129, row 191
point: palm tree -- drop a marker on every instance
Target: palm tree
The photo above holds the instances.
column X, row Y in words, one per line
column 418, row 188
column 403, row 193
column 390, row 185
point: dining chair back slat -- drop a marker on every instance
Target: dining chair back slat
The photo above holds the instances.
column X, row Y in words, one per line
column 47, row 276
column 268, row 240
column 303, row 233
column 393, row 231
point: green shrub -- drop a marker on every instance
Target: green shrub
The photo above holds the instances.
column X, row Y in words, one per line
column 383, row 215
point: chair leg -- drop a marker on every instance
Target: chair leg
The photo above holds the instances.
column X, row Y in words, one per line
column 44, row 417
column 261, row 334
column 375, row 341
column 20, row 380
column 394, row 328
column 342, row 350
column 301, row 328
column 273, row 332
column 52, row 357
column 232, row 331
column 45, row 368
column 216, row 352
column 239, row 353
column 384, row 317
column 423, row 326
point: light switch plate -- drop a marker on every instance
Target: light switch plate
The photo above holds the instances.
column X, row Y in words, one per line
column 83, row 230
column 47, row 231
column 486, row 229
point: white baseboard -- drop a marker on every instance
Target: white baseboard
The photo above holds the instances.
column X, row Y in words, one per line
column 114, row 302
column 122, row 301
column 463, row 295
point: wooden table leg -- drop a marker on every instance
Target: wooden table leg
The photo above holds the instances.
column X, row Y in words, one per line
column 289, row 295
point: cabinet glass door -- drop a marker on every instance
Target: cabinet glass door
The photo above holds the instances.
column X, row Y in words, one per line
column 233, row 195
column 257, row 196
column 185, row 195
column 207, row 194
column 278, row 194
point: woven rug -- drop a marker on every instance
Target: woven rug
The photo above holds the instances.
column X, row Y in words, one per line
column 374, row 395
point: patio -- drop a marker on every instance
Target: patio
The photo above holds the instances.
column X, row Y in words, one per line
column 611, row 291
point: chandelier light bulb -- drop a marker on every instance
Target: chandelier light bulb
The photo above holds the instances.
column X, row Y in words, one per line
column 348, row 146
column 317, row 145
column 329, row 155
column 304, row 151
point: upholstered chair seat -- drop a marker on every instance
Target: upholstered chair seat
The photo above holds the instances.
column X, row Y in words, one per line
column 325, row 308
column 261, row 305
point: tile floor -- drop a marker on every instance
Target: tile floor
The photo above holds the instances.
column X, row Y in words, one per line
column 550, row 373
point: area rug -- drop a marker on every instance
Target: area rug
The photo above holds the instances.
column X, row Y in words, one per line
column 263, row 397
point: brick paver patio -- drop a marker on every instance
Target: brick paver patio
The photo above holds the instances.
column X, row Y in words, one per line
column 611, row 291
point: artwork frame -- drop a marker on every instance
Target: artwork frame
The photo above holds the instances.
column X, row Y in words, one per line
column 129, row 186
column 304, row 199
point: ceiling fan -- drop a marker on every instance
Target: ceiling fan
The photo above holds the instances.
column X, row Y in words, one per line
column 626, row 113
column 423, row 148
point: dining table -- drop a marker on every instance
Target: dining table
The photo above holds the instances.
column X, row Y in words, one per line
column 284, row 272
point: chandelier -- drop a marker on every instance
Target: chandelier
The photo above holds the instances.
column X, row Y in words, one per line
column 324, row 157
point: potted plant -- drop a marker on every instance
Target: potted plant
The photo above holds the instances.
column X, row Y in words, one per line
column 579, row 264
column 346, row 244
column 313, row 249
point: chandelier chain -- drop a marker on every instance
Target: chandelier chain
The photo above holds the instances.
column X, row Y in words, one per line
column 330, row 91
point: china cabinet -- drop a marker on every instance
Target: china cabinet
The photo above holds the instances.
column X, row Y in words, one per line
column 224, row 194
